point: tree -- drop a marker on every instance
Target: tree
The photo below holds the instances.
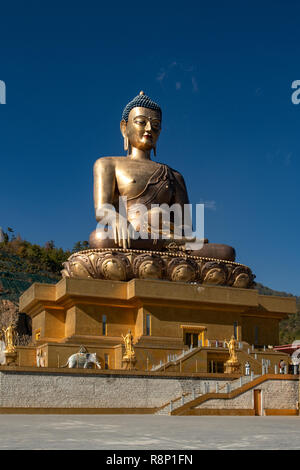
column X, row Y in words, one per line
column 81, row 245
column 49, row 245
column 12, row 232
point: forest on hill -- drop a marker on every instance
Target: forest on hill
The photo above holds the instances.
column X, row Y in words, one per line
column 22, row 263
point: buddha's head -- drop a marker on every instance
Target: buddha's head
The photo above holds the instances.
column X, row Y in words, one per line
column 141, row 123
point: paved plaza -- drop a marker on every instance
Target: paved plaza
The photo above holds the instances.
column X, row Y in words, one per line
column 126, row 432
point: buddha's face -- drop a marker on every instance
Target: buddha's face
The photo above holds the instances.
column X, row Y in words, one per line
column 143, row 128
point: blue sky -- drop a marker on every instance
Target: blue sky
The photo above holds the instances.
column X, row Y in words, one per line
column 222, row 73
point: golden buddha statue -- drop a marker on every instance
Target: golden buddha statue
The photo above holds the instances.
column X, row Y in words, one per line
column 142, row 182
column 144, row 226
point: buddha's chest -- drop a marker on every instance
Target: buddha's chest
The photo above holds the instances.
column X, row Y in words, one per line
column 132, row 179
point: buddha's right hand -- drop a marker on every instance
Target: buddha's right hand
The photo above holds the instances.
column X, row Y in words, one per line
column 123, row 231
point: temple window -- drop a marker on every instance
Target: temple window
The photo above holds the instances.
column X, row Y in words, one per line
column 256, row 335
column 148, row 324
column 235, row 330
column 106, row 361
column 104, row 325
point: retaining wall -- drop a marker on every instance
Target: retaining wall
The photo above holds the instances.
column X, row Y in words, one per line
column 101, row 390
column 42, row 388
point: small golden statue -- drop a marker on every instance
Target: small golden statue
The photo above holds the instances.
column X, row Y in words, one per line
column 232, row 365
column 129, row 351
column 232, row 346
column 9, row 334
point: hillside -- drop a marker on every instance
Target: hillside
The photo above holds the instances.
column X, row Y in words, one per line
column 289, row 328
column 17, row 274
column 22, row 263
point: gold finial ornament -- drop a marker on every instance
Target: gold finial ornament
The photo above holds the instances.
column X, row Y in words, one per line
column 141, row 92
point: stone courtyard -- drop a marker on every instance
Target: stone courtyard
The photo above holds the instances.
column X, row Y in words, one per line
column 140, row 432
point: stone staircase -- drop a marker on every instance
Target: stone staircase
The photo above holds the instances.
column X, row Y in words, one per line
column 208, row 387
column 255, row 364
column 189, row 406
column 176, row 403
column 176, row 359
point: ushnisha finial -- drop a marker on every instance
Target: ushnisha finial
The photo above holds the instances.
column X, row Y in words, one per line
column 143, row 101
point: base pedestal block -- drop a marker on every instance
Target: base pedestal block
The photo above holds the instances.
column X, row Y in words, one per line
column 172, row 265
column 11, row 358
column 232, row 368
column 176, row 326
column 129, row 364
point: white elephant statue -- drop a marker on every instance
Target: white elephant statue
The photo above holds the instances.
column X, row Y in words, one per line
column 82, row 360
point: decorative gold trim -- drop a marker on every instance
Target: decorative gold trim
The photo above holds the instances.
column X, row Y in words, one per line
column 161, row 253
column 193, row 327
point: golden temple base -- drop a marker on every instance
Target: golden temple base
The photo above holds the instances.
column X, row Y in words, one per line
column 176, row 327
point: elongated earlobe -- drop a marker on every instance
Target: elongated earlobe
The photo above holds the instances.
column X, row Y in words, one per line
column 126, row 145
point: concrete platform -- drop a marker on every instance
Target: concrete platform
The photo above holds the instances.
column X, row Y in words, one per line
column 124, row 432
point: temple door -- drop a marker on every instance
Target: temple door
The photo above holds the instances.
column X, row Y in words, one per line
column 257, row 403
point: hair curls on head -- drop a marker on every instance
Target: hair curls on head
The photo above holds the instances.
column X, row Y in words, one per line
column 140, row 101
